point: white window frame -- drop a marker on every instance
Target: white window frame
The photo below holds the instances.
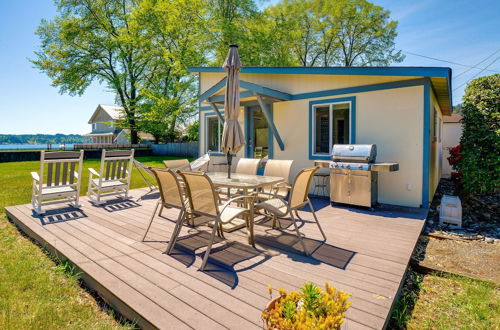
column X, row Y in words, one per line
column 207, row 117
column 94, row 126
column 330, row 125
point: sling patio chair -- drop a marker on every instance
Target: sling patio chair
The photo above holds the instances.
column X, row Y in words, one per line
column 244, row 166
column 147, row 176
column 203, row 201
column 58, row 180
column 114, row 176
column 199, row 164
column 277, row 207
column 171, row 196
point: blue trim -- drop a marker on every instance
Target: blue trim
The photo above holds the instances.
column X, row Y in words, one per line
column 209, row 92
column 205, row 125
column 352, row 128
column 269, row 117
column 264, row 90
column 360, row 89
column 249, row 128
column 426, row 144
column 220, row 98
column 370, row 71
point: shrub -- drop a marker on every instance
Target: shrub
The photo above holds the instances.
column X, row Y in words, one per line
column 480, row 143
column 454, row 159
column 311, row 308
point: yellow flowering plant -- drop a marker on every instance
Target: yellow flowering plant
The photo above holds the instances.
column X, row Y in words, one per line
column 310, row 308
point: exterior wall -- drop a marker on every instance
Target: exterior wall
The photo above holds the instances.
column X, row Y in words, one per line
column 452, row 132
column 436, row 146
column 300, row 83
column 122, row 138
column 392, row 118
column 100, row 121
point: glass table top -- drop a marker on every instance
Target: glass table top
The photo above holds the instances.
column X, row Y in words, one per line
column 238, row 180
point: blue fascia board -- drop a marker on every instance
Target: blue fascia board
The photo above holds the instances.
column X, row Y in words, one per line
column 220, row 98
column 360, row 89
column 426, row 144
column 368, row 71
column 212, row 90
column 264, row 90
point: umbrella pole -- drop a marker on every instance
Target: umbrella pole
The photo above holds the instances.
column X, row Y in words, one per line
column 229, row 163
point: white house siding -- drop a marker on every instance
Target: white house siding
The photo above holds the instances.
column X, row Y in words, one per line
column 436, row 147
column 392, row 119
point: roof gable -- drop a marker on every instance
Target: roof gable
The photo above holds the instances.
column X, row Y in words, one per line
column 114, row 112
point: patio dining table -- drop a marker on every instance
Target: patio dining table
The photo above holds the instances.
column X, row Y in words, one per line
column 246, row 183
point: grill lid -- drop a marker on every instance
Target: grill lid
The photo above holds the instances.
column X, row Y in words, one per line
column 355, row 153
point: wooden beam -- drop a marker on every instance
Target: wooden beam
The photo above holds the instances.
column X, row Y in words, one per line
column 267, row 114
column 217, row 111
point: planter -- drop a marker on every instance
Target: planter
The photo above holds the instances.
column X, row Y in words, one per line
column 269, row 307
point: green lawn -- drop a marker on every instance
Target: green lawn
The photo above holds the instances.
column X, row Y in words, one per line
column 445, row 301
column 35, row 292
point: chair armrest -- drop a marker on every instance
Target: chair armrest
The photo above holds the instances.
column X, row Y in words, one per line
column 35, row 176
column 229, row 201
column 282, row 185
column 93, row 172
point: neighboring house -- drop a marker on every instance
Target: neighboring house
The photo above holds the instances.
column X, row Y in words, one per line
column 104, row 128
column 300, row 112
column 452, row 132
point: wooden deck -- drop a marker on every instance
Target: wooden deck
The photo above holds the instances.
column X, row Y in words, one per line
column 366, row 254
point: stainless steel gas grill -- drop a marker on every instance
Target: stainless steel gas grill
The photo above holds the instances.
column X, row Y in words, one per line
column 354, row 173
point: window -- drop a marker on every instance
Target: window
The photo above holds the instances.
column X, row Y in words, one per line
column 94, row 126
column 440, row 129
column 213, row 133
column 331, row 126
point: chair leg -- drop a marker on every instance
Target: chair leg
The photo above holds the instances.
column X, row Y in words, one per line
column 151, row 220
column 161, row 210
column 298, row 234
column 316, row 219
column 176, row 232
column 209, row 247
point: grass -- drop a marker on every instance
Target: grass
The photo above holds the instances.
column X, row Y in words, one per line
column 36, row 289
column 446, row 301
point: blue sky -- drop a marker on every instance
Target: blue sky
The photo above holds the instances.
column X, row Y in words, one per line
column 464, row 32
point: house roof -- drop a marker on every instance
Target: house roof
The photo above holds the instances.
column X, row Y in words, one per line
column 440, row 77
column 113, row 111
column 454, row 118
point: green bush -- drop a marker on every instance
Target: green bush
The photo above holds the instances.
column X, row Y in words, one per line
column 480, row 142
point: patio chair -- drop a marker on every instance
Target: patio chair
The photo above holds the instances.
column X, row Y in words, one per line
column 147, row 176
column 247, row 166
column 203, row 201
column 114, row 176
column 58, row 180
column 178, row 164
column 171, row 196
column 277, row 207
column 279, row 168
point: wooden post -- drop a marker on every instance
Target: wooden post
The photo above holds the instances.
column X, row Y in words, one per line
column 267, row 114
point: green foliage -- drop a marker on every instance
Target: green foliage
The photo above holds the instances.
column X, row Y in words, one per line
column 192, row 131
column 403, row 307
column 40, row 138
column 480, row 141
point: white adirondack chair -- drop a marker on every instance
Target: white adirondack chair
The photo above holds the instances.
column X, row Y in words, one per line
column 114, row 176
column 58, row 180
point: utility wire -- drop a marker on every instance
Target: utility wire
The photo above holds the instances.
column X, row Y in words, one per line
column 478, row 73
column 455, row 63
column 475, row 65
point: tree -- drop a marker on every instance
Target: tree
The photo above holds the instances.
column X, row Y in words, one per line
column 480, row 141
column 96, row 40
column 174, row 31
column 339, row 32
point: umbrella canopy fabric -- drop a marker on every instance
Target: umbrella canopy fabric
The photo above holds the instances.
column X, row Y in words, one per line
column 232, row 135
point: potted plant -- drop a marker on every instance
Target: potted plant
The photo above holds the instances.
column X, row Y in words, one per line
column 309, row 308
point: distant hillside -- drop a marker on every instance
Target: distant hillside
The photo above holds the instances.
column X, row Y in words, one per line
column 41, row 138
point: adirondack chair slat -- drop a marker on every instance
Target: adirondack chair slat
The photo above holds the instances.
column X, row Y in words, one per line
column 108, row 167
column 62, row 155
column 58, row 173
column 72, row 173
column 113, row 169
column 119, row 169
column 49, row 174
column 64, row 173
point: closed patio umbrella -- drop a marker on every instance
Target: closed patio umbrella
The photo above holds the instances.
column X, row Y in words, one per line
column 232, row 135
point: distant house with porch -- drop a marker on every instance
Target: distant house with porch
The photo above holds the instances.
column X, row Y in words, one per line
column 300, row 112
column 104, row 125
column 105, row 128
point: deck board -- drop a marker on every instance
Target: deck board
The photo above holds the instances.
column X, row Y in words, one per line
column 366, row 254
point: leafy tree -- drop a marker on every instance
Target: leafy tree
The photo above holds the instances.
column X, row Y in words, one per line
column 96, row 40
column 480, row 141
column 339, row 32
column 192, row 131
column 174, row 31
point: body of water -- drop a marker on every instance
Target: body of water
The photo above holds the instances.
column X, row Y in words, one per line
column 35, row 146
